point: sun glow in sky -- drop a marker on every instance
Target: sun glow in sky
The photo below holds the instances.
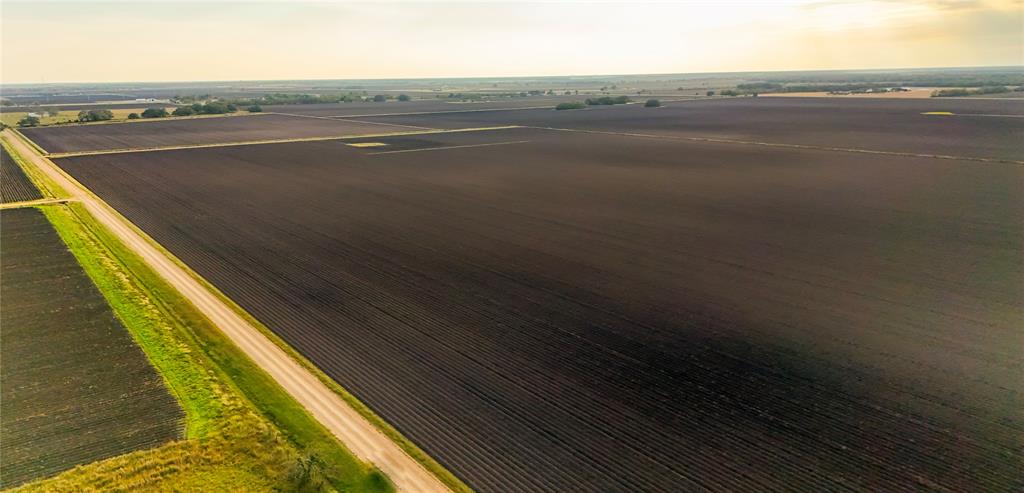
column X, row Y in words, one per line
column 88, row 41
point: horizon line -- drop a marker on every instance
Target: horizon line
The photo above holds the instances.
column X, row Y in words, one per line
column 484, row 77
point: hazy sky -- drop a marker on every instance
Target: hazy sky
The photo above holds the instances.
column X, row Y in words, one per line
column 75, row 41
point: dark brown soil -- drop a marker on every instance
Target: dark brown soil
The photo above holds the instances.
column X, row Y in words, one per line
column 883, row 125
column 14, row 184
column 604, row 313
column 193, row 131
column 75, row 386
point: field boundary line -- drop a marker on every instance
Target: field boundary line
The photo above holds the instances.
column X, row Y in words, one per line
column 786, row 146
column 437, row 112
column 32, row 143
column 989, row 115
column 328, row 118
column 343, row 415
column 57, row 155
column 32, row 203
column 387, row 124
column 445, row 148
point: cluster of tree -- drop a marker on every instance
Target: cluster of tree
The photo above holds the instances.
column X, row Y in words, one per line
column 576, row 105
column 761, row 87
column 469, row 96
column 605, row 100
column 95, row 115
column 380, row 98
column 279, row 98
column 194, row 98
column 845, row 88
column 960, row 92
column 477, row 96
column 154, row 113
column 652, row 103
column 211, row 108
column 28, row 121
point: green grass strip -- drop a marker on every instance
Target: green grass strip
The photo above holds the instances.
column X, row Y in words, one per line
column 107, row 259
column 241, row 425
column 428, row 462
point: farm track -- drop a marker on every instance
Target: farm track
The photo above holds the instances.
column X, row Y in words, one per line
column 599, row 312
column 359, row 435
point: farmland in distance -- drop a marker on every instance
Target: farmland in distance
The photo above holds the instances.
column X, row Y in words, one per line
column 562, row 311
column 985, row 129
column 187, row 131
column 75, row 386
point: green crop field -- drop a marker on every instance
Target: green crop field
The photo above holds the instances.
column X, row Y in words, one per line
column 74, row 386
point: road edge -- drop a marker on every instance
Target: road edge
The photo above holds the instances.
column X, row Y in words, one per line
column 405, row 478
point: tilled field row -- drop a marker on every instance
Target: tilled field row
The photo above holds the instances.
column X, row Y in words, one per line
column 596, row 312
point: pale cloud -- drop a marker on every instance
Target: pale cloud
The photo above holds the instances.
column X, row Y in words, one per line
column 233, row 40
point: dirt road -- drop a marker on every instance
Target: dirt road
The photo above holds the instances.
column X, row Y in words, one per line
column 358, row 434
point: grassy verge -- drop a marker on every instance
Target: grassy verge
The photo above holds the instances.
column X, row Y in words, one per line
column 438, row 470
column 445, row 476
column 244, row 431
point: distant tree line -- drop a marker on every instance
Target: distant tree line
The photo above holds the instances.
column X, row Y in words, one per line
column 211, row 108
column 278, row 98
column 951, row 78
column 961, row 92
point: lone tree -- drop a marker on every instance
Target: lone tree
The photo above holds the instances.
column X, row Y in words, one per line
column 154, row 113
column 380, row 98
column 133, row 116
column 652, row 103
column 29, row 121
column 711, row 93
column 254, row 109
column 403, row 97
